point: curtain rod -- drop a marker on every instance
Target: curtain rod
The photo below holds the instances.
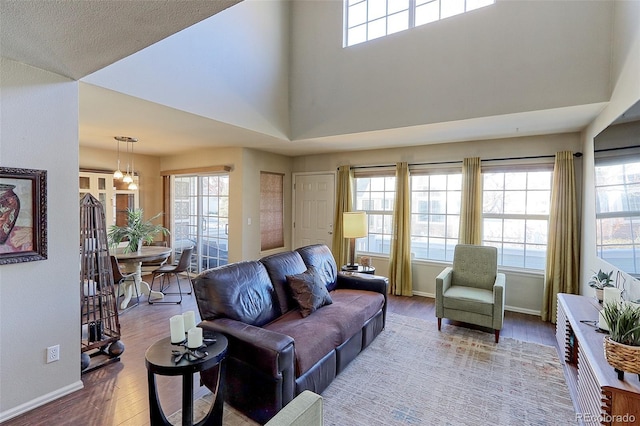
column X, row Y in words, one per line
column 616, row 149
column 576, row 154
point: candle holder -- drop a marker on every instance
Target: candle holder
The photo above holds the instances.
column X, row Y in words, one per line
column 191, row 354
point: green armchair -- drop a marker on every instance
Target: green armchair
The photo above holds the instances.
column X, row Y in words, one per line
column 472, row 290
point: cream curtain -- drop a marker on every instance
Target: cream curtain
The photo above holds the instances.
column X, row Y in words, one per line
column 400, row 258
column 563, row 247
column 471, row 205
column 344, row 203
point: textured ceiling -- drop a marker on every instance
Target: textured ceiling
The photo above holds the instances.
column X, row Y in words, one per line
column 74, row 38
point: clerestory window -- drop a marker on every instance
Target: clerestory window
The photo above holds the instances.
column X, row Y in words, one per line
column 366, row 20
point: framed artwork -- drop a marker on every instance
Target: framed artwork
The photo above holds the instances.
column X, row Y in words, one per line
column 23, row 215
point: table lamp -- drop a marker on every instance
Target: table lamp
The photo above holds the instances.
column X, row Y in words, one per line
column 354, row 225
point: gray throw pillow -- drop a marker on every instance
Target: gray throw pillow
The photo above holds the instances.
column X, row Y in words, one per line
column 309, row 291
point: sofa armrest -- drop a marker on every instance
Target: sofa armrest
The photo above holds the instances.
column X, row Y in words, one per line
column 359, row 281
column 499, row 297
column 304, row 410
column 268, row 351
column 443, row 282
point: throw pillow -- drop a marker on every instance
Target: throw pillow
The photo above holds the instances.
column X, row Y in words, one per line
column 309, row 291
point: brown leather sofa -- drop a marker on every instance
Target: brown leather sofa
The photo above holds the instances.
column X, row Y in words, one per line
column 274, row 352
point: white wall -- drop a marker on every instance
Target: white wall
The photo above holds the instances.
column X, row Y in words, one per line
column 626, row 92
column 524, row 289
column 514, row 56
column 39, row 301
column 232, row 67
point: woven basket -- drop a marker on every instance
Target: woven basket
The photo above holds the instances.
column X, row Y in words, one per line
column 622, row 357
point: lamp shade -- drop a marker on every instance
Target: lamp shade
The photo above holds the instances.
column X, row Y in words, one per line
column 354, row 224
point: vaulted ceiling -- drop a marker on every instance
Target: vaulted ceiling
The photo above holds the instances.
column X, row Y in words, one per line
column 76, row 38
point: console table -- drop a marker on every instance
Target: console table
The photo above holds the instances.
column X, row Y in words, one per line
column 598, row 396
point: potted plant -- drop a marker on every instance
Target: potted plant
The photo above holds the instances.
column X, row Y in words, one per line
column 599, row 281
column 137, row 231
column 622, row 345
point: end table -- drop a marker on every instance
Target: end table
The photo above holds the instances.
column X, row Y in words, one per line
column 361, row 269
column 160, row 360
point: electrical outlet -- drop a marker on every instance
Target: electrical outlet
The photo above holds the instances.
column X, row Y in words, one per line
column 53, row 353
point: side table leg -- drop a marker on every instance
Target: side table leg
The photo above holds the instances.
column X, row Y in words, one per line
column 215, row 414
column 156, row 415
column 187, row 399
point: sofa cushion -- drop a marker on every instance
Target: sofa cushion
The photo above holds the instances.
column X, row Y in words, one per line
column 309, row 291
column 278, row 266
column 241, row 291
column 320, row 257
column 321, row 332
column 469, row 299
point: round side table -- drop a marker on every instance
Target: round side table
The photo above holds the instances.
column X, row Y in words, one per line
column 159, row 360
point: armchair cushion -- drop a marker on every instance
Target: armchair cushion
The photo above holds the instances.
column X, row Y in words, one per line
column 469, row 299
column 309, row 291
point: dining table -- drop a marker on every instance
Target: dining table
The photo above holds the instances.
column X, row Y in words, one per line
column 132, row 262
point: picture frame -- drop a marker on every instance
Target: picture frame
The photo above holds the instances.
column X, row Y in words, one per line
column 23, row 215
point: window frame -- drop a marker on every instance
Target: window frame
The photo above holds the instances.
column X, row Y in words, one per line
column 629, row 216
column 194, row 223
column 271, row 211
column 451, row 217
column 413, row 8
column 500, row 243
column 363, row 245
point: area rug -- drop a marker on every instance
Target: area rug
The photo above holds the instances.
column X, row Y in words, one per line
column 414, row 375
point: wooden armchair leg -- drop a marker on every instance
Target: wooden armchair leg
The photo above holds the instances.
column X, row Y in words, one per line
column 439, row 323
column 497, row 335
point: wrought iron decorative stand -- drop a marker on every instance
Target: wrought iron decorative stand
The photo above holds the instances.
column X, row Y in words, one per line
column 100, row 333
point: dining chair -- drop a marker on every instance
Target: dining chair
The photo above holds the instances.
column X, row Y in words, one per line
column 119, row 278
column 165, row 272
column 149, row 267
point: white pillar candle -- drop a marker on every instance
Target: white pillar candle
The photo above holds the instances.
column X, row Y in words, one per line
column 602, row 323
column 176, row 324
column 194, row 337
column 189, row 320
column 611, row 295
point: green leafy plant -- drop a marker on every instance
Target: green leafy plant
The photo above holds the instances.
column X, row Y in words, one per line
column 137, row 231
column 601, row 280
column 623, row 320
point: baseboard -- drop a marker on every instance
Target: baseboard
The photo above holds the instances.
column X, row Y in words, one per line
column 506, row 308
column 423, row 294
column 522, row 310
column 41, row 400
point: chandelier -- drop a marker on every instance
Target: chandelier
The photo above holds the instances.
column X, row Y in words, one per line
column 128, row 176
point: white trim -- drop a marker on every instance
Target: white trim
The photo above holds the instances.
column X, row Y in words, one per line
column 41, row 400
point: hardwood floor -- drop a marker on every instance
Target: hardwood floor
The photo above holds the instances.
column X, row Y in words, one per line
column 116, row 394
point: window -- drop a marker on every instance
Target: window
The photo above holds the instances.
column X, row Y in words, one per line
column 376, row 195
column 366, row 20
column 271, row 210
column 435, row 215
column 618, row 213
column 516, row 216
column 201, row 219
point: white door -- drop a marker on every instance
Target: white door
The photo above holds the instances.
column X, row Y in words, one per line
column 314, row 205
